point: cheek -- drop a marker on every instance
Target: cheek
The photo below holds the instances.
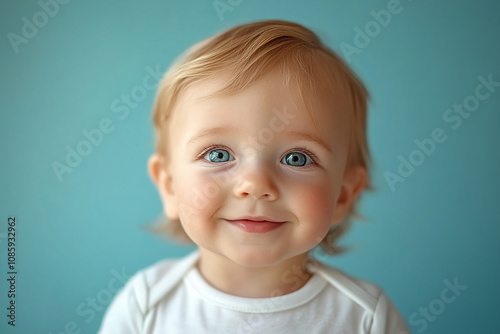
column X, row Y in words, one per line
column 315, row 203
column 198, row 196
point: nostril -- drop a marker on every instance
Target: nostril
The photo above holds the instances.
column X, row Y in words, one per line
column 255, row 189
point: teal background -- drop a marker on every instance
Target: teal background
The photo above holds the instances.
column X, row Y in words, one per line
column 440, row 224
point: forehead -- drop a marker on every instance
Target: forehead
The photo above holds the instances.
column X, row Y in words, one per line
column 314, row 109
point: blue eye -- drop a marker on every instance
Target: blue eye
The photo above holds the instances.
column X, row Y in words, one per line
column 296, row 159
column 218, row 155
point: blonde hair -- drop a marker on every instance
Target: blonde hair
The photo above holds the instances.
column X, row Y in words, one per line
column 247, row 53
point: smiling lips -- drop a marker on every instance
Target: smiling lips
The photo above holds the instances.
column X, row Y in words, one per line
column 256, row 224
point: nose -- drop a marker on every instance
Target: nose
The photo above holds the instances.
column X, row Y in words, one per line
column 256, row 183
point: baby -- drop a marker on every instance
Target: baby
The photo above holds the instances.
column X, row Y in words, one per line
column 261, row 156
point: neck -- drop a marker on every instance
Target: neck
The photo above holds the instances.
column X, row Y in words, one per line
column 253, row 281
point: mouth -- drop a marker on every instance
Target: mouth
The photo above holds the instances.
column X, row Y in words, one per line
column 256, row 224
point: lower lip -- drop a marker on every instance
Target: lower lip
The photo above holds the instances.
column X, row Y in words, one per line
column 255, row 226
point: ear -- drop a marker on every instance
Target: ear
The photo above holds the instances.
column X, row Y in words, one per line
column 353, row 183
column 162, row 178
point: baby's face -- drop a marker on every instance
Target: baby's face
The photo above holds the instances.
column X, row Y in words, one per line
column 250, row 175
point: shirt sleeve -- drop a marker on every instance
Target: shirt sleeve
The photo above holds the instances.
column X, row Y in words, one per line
column 124, row 315
column 387, row 319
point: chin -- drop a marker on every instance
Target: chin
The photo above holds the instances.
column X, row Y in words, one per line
column 256, row 257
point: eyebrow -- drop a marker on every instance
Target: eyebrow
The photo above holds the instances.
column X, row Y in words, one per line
column 232, row 130
column 310, row 137
column 219, row 131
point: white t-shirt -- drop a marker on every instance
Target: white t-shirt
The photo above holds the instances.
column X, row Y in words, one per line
column 172, row 297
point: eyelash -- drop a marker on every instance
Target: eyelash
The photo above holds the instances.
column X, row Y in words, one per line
column 305, row 151
column 300, row 149
column 209, row 148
